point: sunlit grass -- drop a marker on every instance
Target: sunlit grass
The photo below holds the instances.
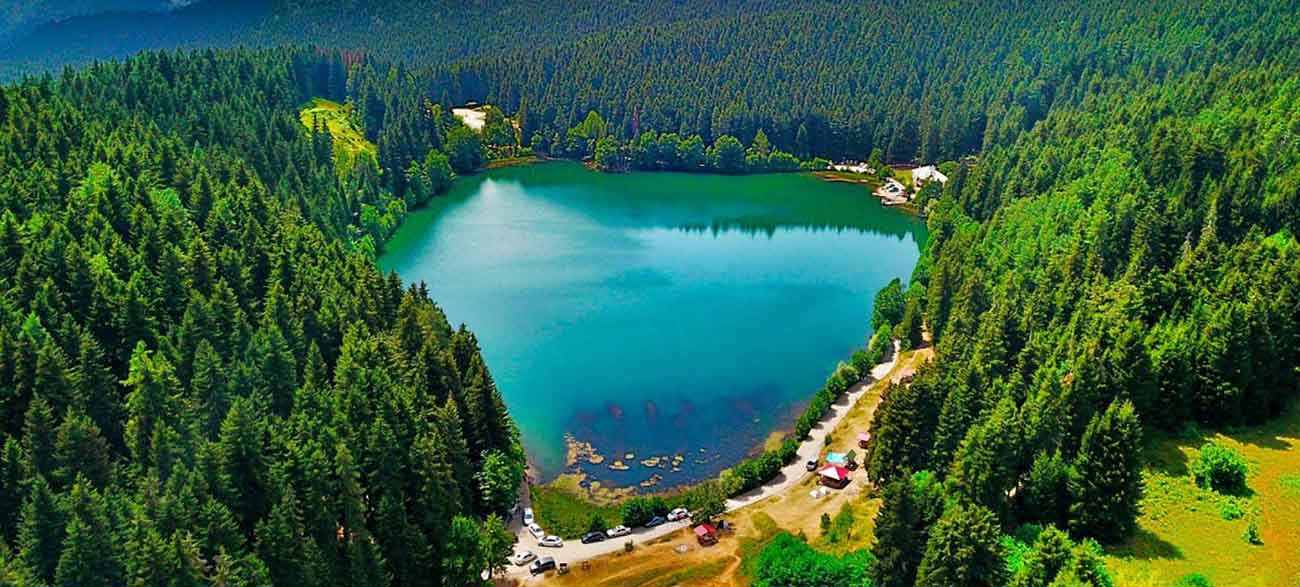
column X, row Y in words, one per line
column 1186, row 529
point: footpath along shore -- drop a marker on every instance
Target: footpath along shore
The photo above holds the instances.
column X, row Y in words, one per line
column 791, row 475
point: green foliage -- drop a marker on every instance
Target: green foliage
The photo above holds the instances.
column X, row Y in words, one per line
column 888, row 306
column 789, row 562
column 1193, row 580
column 212, row 382
column 1231, row 510
column 1106, row 485
column 1251, row 535
column 497, row 544
column 1219, row 468
column 465, row 150
column 706, row 501
column 839, row 529
column 1055, row 560
column 637, row 510
column 567, row 515
column 964, row 548
column 498, row 479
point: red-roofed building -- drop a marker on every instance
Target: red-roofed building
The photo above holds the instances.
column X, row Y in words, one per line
column 706, row 534
column 834, row 476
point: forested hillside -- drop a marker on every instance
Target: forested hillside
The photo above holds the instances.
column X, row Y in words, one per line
column 203, row 376
column 423, row 33
column 917, row 80
column 1128, row 264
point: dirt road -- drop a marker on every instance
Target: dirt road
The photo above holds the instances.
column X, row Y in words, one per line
column 574, row 552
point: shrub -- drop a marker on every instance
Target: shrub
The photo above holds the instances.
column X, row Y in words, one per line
column 1252, row 533
column 1220, row 468
column 1193, row 580
column 1231, row 510
column 638, row 510
column 596, row 524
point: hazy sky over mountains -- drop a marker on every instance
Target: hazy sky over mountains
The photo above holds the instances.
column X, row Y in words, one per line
column 16, row 15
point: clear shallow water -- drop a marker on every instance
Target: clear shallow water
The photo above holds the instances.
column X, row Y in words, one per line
column 653, row 313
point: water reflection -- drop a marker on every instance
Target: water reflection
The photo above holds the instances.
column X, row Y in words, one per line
column 655, row 314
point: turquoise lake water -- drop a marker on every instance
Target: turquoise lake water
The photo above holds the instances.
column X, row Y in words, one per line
column 656, row 314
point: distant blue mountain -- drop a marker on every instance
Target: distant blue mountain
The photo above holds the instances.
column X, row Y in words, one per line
column 130, row 27
column 20, row 16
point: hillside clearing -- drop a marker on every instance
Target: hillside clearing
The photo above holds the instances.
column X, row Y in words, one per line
column 1183, row 528
column 348, row 139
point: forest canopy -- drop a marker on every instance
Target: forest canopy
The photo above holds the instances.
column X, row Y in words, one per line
column 203, row 376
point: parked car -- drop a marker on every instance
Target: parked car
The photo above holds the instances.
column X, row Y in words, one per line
column 617, row 531
column 593, row 537
column 542, row 565
column 551, row 541
column 528, row 517
column 536, row 531
column 810, row 466
column 656, row 521
column 522, row 558
column 678, row 514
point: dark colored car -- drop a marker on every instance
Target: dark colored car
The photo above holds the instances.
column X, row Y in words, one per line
column 811, row 466
column 655, row 521
column 542, row 565
column 593, row 537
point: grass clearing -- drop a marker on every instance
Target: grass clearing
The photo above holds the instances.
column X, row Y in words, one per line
column 349, row 141
column 1185, row 529
column 904, row 176
column 566, row 514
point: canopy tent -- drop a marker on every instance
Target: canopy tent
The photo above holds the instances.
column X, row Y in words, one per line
column 835, row 473
column 837, row 458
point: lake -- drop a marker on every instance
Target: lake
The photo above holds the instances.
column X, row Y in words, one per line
column 678, row 318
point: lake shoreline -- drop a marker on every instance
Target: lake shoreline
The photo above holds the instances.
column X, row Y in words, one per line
column 635, row 268
column 580, row 487
column 865, row 181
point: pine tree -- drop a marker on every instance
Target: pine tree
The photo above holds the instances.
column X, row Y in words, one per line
column 11, row 490
column 79, row 449
column 404, row 548
column 900, row 537
column 1106, row 486
column 986, row 464
column 150, row 403
column 281, row 542
column 41, row 531
column 1047, row 490
column 149, row 559
column 243, row 466
column 89, row 556
column 38, row 436
column 1051, row 552
column 964, row 550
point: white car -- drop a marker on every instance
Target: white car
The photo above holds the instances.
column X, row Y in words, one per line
column 551, row 541
column 536, row 531
column 528, row 516
column 523, row 558
column 678, row 514
column 617, row 531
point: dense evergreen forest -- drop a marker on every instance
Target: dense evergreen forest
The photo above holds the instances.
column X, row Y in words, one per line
column 425, row 33
column 203, row 375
